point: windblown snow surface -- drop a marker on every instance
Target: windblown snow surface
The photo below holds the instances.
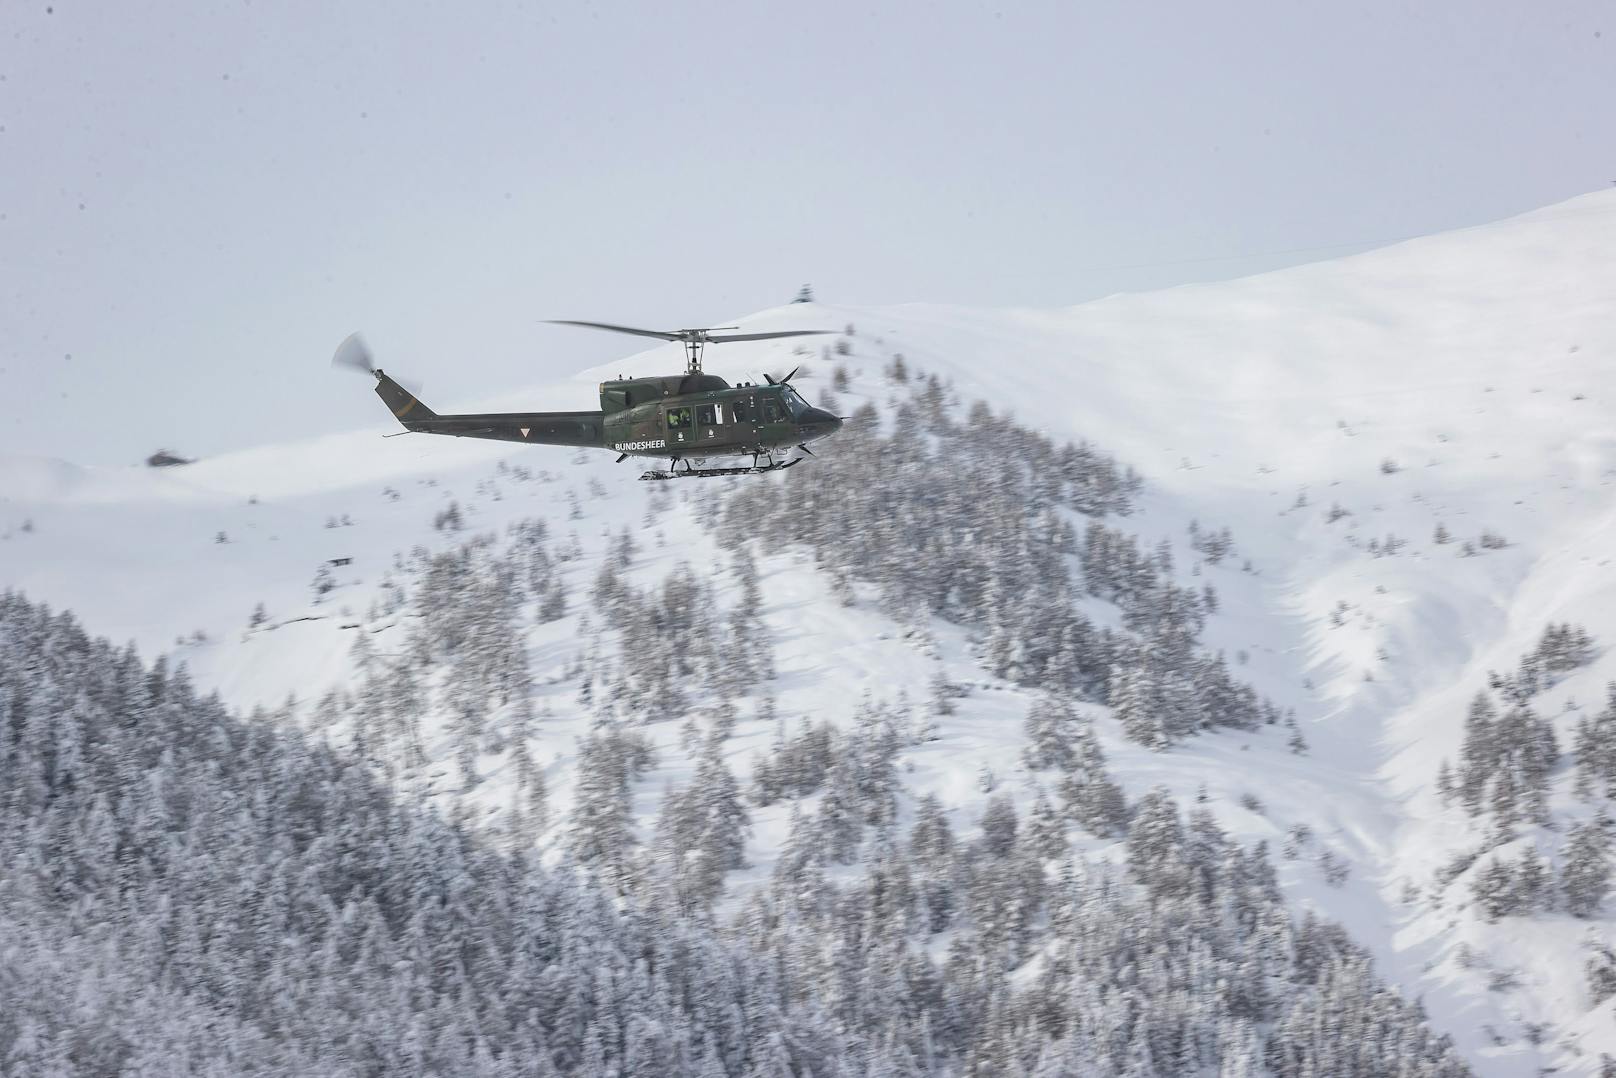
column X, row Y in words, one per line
column 1466, row 380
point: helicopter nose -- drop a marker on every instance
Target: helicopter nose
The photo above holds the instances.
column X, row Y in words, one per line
column 822, row 422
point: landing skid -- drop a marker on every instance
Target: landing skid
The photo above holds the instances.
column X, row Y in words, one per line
column 698, row 473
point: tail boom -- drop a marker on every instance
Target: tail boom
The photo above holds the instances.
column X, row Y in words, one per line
column 583, row 429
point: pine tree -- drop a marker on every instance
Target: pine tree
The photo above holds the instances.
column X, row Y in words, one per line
column 324, row 582
column 1532, row 882
column 1133, row 701
column 1050, row 726
column 1585, row 875
column 1092, row 798
column 750, row 652
column 1534, row 751
column 999, row 826
column 532, row 791
column 553, row 607
column 724, row 821
column 931, row 838
column 1503, row 802
column 1494, row 889
column 1155, row 844
column 602, row 825
column 1596, row 749
column 1046, row 831
column 840, row 819
column 1296, row 742
column 801, row 850
column 1600, row 970
column 1445, row 782
column 1478, row 754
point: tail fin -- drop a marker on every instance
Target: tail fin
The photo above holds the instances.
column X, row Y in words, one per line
column 400, row 401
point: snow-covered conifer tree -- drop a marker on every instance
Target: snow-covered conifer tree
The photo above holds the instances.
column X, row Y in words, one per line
column 1585, row 872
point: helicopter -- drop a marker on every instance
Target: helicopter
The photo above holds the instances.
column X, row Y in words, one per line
column 687, row 418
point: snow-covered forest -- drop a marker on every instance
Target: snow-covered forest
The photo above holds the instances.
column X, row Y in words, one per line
column 187, row 885
column 1181, row 684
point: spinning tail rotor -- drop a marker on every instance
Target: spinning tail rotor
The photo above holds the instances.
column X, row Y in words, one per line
column 403, row 398
column 354, row 354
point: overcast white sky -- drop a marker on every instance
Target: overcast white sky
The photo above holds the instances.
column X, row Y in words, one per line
column 199, row 200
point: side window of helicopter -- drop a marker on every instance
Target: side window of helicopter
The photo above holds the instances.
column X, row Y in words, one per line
column 741, row 409
column 772, row 412
column 705, row 416
column 678, row 418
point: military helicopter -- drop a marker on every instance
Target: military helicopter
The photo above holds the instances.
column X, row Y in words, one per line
column 688, row 418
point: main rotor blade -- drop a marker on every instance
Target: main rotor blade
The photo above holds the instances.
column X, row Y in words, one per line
column 354, row 353
column 616, row 329
column 727, row 337
column 792, row 375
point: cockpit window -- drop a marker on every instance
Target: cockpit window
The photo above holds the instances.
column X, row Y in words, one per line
column 794, row 403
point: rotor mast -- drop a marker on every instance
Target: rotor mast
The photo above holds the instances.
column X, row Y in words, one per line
column 695, row 342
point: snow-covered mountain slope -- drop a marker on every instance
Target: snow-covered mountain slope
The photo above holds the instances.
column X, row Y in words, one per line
column 1332, row 417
